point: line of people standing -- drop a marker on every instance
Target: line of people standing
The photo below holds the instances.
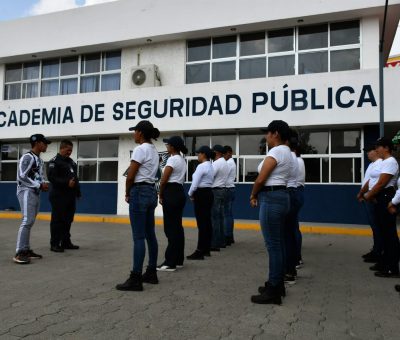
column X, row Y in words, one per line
column 212, row 192
column 381, row 201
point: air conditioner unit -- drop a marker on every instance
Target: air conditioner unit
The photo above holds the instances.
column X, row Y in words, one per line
column 145, row 76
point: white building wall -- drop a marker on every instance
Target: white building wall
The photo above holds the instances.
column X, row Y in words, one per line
column 370, row 43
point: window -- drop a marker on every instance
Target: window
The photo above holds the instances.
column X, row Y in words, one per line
column 98, row 160
column 63, row 76
column 332, row 156
column 327, row 47
column 10, row 154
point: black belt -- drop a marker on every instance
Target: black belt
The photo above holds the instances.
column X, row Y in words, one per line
column 273, row 187
column 174, row 183
column 218, row 188
column 142, row 183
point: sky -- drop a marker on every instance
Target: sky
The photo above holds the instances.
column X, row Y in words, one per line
column 13, row 9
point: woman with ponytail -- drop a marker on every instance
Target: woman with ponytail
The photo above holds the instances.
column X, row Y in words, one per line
column 141, row 195
column 172, row 198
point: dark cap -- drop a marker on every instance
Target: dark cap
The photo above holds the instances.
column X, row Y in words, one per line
column 143, row 125
column 176, row 142
column 369, row 148
column 219, row 148
column 38, row 138
column 206, row 150
column 385, row 142
column 227, row 148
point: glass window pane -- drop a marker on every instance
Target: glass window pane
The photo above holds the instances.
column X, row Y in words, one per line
column 225, row 140
column 224, row 47
column 357, row 170
column 13, row 91
column 13, row 72
column 49, row 88
column 24, row 148
column 223, row 71
column 346, row 141
column 91, row 63
column 315, row 62
column 87, row 170
column 69, row 66
column 313, row 170
column 314, row 142
column 281, row 66
column 108, row 148
column 30, row 90
column 192, row 165
column 69, row 86
column 345, row 60
column 110, row 82
column 344, row 33
column 87, row 149
column 90, row 84
column 252, row 144
column 9, row 152
column 198, row 73
column 315, row 36
column 108, row 171
column 50, row 68
column 252, row 68
column 194, row 142
column 8, row 171
column 253, row 43
column 325, row 170
column 112, row 61
column 199, row 49
column 31, row 70
column 280, row 40
column 342, row 170
column 251, row 169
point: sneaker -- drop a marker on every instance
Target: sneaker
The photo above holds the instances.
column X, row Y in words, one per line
column 299, row 264
column 32, row 255
column 57, row 249
column 70, row 246
column 165, row 268
column 388, row 273
column 370, row 253
column 290, row 279
column 22, row 258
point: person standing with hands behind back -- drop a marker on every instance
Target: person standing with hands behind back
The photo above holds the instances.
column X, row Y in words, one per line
column 64, row 191
column 141, row 195
column 30, row 182
column 173, row 199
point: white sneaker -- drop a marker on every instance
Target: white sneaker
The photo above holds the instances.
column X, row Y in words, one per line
column 164, row 268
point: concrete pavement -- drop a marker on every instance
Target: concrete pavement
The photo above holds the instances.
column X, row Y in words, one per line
column 72, row 296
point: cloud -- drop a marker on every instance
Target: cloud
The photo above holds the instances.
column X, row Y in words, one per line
column 48, row 6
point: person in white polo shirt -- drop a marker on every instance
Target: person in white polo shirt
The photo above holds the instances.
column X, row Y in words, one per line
column 370, row 178
column 382, row 193
column 221, row 171
column 172, row 198
column 230, row 196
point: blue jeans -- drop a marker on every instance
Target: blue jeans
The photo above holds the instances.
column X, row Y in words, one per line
column 142, row 203
column 228, row 212
column 217, row 218
column 274, row 206
column 376, row 232
column 291, row 228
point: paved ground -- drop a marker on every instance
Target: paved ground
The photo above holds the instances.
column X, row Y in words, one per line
column 72, row 295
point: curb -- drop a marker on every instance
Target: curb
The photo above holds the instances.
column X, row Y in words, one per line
column 189, row 223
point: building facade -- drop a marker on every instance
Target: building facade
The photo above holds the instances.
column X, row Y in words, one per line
column 211, row 71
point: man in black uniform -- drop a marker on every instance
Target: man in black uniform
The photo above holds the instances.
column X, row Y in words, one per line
column 64, row 191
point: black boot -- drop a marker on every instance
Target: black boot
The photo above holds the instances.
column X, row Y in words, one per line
column 134, row 283
column 197, row 255
column 150, row 276
column 271, row 295
column 282, row 288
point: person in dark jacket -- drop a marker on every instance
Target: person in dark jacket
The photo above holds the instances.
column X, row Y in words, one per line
column 64, row 191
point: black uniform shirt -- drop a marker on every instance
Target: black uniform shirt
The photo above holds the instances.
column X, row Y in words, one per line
column 61, row 171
